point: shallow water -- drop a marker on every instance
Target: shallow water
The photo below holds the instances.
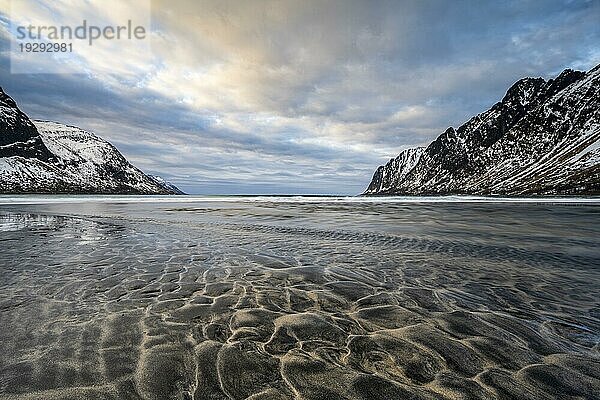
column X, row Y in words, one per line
column 216, row 298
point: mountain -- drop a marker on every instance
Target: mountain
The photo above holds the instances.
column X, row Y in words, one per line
column 387, row 176
column 167, row 185
column 48, row 157
column 542, row 138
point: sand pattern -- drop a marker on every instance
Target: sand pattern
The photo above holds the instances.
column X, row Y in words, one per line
column 106, row 308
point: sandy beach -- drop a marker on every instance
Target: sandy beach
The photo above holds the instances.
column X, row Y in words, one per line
column 278, row 300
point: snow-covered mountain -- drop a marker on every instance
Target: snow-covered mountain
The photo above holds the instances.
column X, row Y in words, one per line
column 387, row 176
column 48, row 157
column 543, row 137
column 166, row 184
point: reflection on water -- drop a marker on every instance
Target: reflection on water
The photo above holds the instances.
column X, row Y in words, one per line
column 231, row 299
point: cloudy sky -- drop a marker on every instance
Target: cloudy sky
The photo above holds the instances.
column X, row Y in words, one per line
column 295, row 96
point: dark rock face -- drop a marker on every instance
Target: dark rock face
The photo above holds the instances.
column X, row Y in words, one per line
column 18, row 135
column 48, row 157
column 541, row 138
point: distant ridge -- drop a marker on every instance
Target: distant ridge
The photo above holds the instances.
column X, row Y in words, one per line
column 542, row 138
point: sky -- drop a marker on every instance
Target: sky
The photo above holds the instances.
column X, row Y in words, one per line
column 295, row 97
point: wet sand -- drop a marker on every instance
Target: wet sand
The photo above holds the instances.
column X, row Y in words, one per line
column 228, row 304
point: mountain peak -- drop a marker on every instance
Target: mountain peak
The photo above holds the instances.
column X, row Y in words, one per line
column 566, row 78
column 524, row 91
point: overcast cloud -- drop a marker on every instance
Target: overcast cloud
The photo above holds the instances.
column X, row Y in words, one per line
column 301, row 96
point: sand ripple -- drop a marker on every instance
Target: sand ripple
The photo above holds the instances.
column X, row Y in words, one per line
column 118, row 309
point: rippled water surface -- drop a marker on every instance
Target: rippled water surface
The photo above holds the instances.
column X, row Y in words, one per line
column 274, row 298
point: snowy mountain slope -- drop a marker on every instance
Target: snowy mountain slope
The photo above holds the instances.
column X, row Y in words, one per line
column 541, row 138
column 389, row 176
column 166, row 184
column 49, row 157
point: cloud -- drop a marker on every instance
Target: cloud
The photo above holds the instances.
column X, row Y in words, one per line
column 239, row 96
